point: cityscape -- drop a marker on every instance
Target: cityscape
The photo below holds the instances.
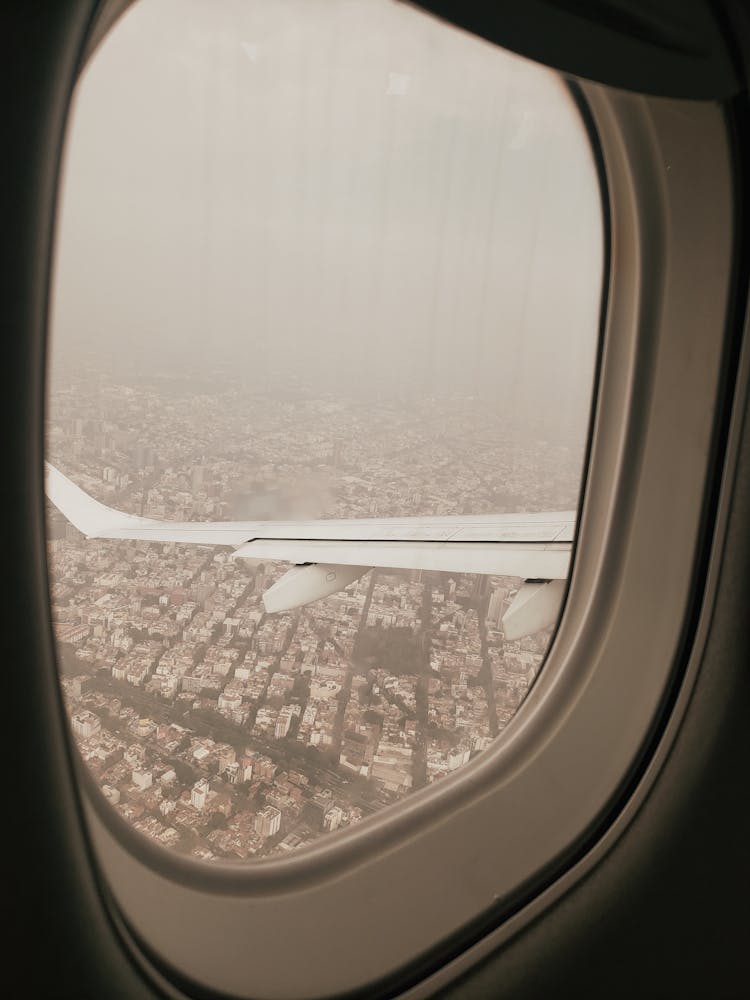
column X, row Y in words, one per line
column 226, row 733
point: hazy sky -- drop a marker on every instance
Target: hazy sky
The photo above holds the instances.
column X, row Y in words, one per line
column 346, row 190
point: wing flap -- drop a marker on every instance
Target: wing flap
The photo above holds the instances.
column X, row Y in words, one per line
column 501, row 558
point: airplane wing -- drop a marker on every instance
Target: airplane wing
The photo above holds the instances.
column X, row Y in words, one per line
column 331, row 553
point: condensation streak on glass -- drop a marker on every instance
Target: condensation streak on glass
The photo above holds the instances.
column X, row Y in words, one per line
column 315, row 258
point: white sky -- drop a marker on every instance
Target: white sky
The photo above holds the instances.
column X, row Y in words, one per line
column 347, row 190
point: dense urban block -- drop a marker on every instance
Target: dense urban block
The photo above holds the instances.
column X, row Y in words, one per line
column 224, row 732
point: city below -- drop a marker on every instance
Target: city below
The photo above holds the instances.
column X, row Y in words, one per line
column 227, row 733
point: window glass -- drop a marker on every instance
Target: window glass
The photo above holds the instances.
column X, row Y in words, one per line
column 315, row 259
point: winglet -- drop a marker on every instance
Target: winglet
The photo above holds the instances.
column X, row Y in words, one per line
column 88, row 515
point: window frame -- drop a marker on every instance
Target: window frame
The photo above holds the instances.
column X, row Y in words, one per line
column 641, row 372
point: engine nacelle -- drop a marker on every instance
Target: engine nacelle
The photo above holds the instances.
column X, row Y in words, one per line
column 305, row 584
column 536, row 606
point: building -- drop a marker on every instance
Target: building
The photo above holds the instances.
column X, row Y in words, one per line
column 497, row 602
column 284, row 720
column 198, row 794
column 142, row 779
column 332, row 819
column 85, row 724
column 392, row 766
column 112, row 795
column 356, row 752
column 267, row 822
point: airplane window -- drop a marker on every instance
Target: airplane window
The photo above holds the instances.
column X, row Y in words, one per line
column 325, row 312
